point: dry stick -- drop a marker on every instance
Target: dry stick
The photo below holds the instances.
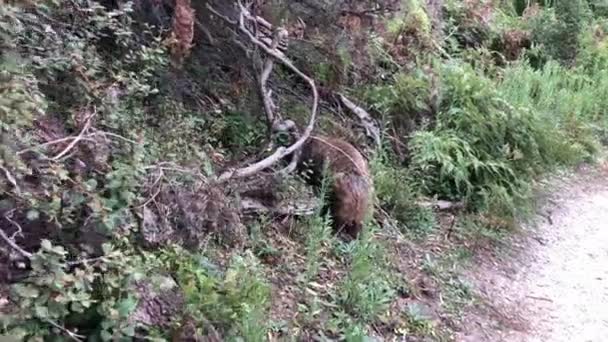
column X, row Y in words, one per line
column 280, row 152
column 266, row 93
column 19, row 230
column 540, row 298
column 10, row 178
column 160, row 187
column 253, row 205
column 10, row 241
column 114, row 135
column 13, row 245
column 86, row 127
column 371, row 128
column 87, row 137
column 70, row 334
column 57, row 141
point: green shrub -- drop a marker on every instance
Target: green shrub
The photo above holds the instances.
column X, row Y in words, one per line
column 234, row 301
column 397, row 194
column 569, row 102
column 557, row 31
column 480, row 142
column 98, row 300
column 366, row 291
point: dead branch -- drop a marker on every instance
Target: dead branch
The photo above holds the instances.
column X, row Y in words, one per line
column 371, row 128
column 11, row 242
column 254, row 206
column 281, row 152
column 269, row 106
column 84, row 130
column 10, row 178
column 87, row 137
column 19, row 230
column 441, row 205
column 114, row 135
column 70, row 334
column 13, row 245
column 158, row 190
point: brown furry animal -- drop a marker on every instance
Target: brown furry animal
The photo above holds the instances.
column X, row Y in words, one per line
column 351, row 185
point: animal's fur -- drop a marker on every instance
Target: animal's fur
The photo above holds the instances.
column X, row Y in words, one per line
column 351, row 184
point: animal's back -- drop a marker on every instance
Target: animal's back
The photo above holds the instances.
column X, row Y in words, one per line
column 340, row 156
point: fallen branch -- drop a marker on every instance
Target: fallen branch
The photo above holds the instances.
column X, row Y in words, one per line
column 19, row 230
column 87, row 137
column 11, row 242
column 160, row 187
column 281, row 152
column 86, row 127
column 70, row 334
column 371, row 129
column 255, row 206
column 10, row 178
column 114, row 135
column 540, row 298
column 441, row 205
column 14, row 245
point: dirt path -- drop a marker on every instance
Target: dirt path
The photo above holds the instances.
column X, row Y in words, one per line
column 552, row 285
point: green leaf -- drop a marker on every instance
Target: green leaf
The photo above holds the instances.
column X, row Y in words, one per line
column 26, row 291
column 42, row 312
column 33, row 215
column 129, row 331
column 107, row 248
column 46, row 245
column 105, row 335
column 126, row 306
column 63, row 174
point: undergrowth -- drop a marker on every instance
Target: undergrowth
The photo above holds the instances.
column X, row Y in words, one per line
column 105, row 139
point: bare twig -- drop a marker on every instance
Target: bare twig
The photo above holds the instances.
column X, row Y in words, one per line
column 371, row 129
column 205, row 31
column 11, row 242
column 10, row 178
column 252, row 205
column 14, row 246
column 540, row 298
column 281, row 152
column 19, row 230
column 442, row 205
column 87, row 137
column 269, row 105
column 160, row 187
column 86, row 127
column 114, row 135
column 70, row 334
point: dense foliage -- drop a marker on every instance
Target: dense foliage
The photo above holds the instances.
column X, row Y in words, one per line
column 108, row 143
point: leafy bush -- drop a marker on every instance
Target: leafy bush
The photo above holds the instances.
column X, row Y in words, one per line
column 481, row 145
column 569, row 102
column 397, row 193
column 367, row 291
column 557, row 30
column 79, row 298
column 234, row 301
column 469, row 23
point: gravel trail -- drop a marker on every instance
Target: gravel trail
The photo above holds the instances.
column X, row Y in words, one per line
column 553, row 285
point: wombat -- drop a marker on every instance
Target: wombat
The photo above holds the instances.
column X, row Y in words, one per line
column 351, row 186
